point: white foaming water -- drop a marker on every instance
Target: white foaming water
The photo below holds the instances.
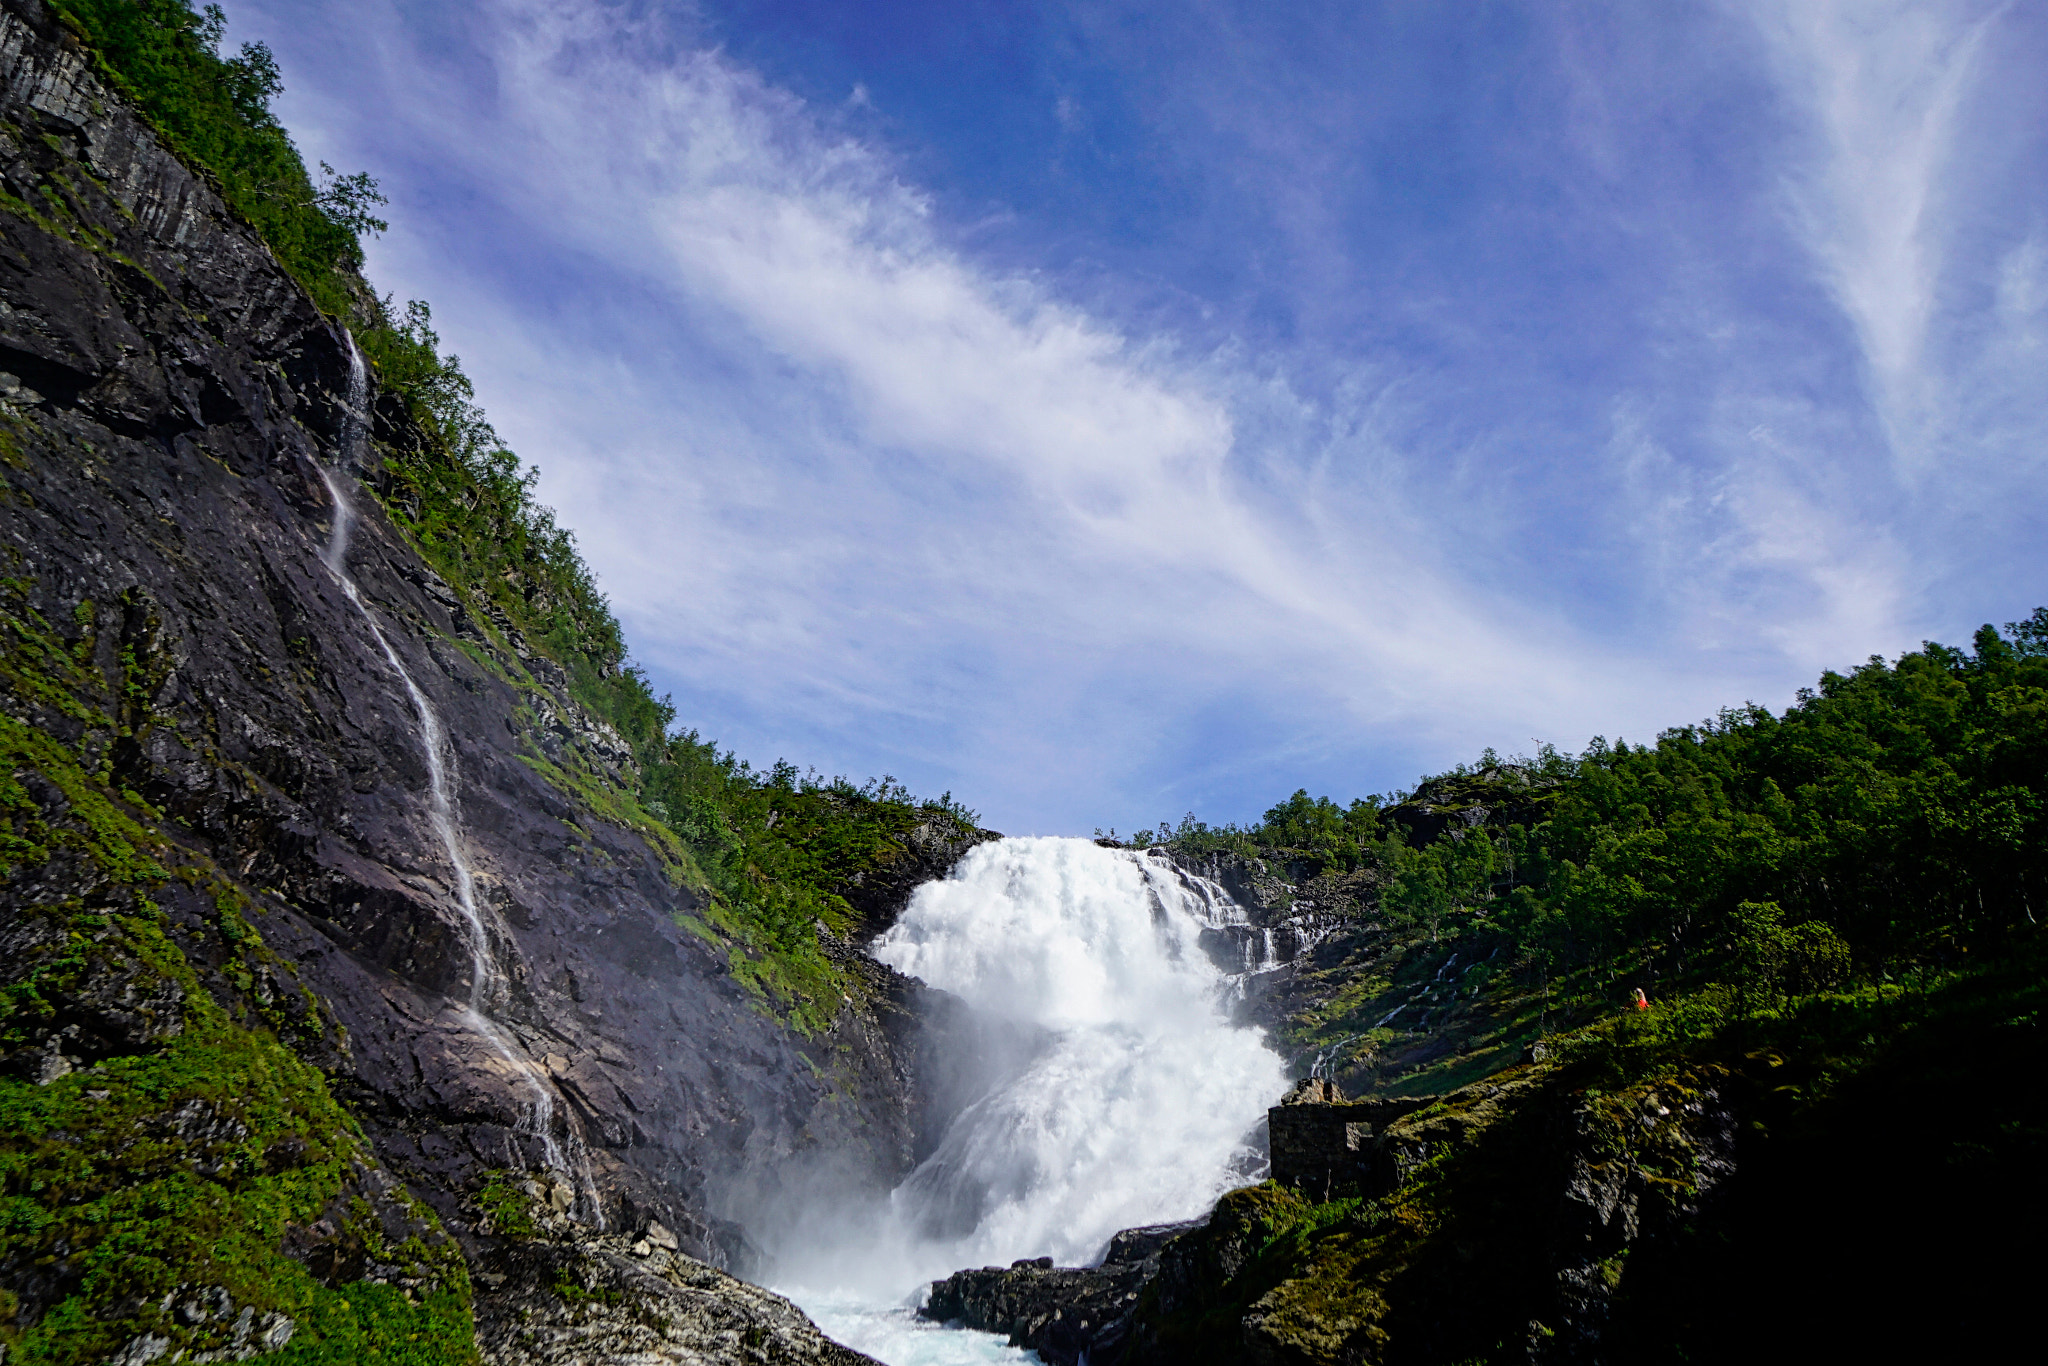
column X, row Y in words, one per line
column 893, row 1333
column 1133, row 1106
column 487, row 985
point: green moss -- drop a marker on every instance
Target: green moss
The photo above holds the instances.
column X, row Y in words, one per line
column 181, row 1165
column 366, row 1322
column 610, row 801
column 184, row 1166
column 509, row 1208
column 573, row 1291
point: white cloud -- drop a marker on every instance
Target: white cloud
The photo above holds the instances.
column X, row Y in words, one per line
column 871, row 503
column 1885, row 85
column 719, row 191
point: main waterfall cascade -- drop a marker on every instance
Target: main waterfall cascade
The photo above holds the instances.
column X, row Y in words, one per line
column 488, row 988
column 1133, row 1100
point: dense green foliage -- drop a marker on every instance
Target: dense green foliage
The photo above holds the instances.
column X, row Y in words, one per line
column 1893, row 816
column 1898, row 807
column 215, row 112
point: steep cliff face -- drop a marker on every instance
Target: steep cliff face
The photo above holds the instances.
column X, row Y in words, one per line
column 185, row 671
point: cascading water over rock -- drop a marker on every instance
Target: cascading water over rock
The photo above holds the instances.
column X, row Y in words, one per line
column 488, row 987
column 1131, row 1098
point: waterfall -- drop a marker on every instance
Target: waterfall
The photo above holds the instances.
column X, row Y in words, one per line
column 488, row 987
column 1133, row 1101
column 1137, row 1107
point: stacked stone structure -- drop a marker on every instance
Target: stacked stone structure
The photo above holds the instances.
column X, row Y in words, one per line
column 1324, row 1145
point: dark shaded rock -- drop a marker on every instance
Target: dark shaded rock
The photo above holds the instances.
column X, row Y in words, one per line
column 627, row 1298
column 928, row 852
column 174, row 393
column 1065, row 1314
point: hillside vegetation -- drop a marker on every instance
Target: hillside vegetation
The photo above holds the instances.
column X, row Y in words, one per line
column 1886, row 826
column 1814, row 1139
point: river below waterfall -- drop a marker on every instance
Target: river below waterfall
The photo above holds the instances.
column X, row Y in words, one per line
column 1119, row 1092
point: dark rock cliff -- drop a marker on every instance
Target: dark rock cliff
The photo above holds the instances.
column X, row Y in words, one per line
column 169, row 399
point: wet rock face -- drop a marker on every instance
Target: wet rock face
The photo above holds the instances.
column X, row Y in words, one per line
column 1297, row 924
column 167, row 397
column 929, row 852
column 1064, row 1313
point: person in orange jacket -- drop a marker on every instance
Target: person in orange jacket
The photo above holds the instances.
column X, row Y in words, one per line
column 1642, row 1001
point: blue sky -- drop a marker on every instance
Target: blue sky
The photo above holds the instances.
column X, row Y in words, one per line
column 1107, row 411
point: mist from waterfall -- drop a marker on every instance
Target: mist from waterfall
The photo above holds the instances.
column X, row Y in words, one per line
column 1131, row 1098
column 488, row 988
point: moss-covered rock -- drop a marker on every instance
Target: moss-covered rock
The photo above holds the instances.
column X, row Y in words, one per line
column 1656, row 1189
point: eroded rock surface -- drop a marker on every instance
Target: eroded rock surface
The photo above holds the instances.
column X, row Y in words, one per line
column 624, row 1298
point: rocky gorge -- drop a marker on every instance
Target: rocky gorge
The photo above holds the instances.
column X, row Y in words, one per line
column 372, row 988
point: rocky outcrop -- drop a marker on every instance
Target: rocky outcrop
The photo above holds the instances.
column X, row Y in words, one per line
column 929, row 851
column 1497, row 795
column 633, row 1297
column 1313, row 937
column 1291, row 918
column 1502, row 1221
column 1066, row 1314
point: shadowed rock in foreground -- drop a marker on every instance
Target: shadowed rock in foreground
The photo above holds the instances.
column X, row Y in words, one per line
column 596, row 1299
column 1060, row 1312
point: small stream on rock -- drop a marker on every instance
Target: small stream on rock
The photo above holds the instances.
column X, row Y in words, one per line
column 1116, row 1091
column 488, row 988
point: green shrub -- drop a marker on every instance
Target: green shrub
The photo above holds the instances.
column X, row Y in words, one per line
column 214, row 111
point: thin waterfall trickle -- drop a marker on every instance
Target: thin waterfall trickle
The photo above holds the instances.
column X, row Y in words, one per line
column 488, row 987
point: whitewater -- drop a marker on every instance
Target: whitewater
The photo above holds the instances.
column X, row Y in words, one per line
column 1129, row 1098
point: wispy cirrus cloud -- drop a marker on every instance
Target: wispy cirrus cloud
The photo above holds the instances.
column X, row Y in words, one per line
column 873, row 499
column 1884, row 86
